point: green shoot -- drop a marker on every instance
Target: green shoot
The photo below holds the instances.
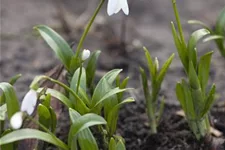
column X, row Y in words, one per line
column 151, row 96
column 192, row 95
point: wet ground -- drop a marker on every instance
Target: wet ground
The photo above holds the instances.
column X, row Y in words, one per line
column 147, row 25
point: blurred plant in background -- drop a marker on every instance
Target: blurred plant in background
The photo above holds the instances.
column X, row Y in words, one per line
column 217, row 34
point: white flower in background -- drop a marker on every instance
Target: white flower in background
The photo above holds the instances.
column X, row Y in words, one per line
column 16, row 120
column 29, row 102
column 114, row 6
column 85, row 54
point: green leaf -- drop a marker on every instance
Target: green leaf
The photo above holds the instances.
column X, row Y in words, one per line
column 9, row 146
column 120, row 145
column 199, row 23
column 74, row 81
column 74, row 64
column 164, row 69
column 10, row 98
column 189, row 101
column 82, row 89
column 198, row 100
column 181, row 96
column 101, row 89
column 209, row 101
column 84, row 122
column 193, row 78
column 196, row 91
column 220, row 23
column 82, row 108
column 145, row 85
column 192, row 43
column 35, row 83
column 112, row 144
column 91, row 67
column 109, row 94
column 13, row 80
column 111, row 75
column 53, row 119
column 123, row 85
column 84, row 96
column 57, row 43
column 181, row 48
column 23, row 134
column 47, row 100
column 85, row 138
column 195, row 37
column 113, row 115
column 3, row 111
column 150, row 64
column 161, row 109
column 59, row 96
column 220, row 30
column 203, row 70
column 44, row 115
column 104, row 85
column 213, row 37
column 108, row 104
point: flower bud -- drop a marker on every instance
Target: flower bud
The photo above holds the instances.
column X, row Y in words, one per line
column 85, row 54
column 16, row 120
column 156, row 63
column 29, row 102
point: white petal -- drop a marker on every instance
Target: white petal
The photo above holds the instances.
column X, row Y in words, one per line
column 118, row 6
column 16, row 120
column 29, row 102
column 85, row 54
column 111, row 8
column 125, row 7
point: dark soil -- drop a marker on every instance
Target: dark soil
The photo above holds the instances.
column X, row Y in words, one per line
column 173, row 131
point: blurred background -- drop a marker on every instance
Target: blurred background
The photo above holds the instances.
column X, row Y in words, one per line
column 120, row 38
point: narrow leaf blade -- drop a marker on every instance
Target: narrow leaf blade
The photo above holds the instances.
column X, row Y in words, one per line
column 57, row 43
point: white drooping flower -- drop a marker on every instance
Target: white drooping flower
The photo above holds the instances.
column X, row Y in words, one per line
column 114, row 6
column 85, row 54
column 16, row 120
column 29, row 102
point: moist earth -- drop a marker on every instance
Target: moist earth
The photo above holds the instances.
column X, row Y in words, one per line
column 121, row 40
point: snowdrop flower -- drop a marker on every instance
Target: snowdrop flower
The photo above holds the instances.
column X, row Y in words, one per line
column 114, row 6
column 29, row 102
column 28, row 106
column 16, row 120
column 85, row 54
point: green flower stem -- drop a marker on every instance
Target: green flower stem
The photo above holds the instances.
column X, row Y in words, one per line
column 68, row 89
column 178, row 21
column 46, row 130
column 80, row 44
column 78, row 82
